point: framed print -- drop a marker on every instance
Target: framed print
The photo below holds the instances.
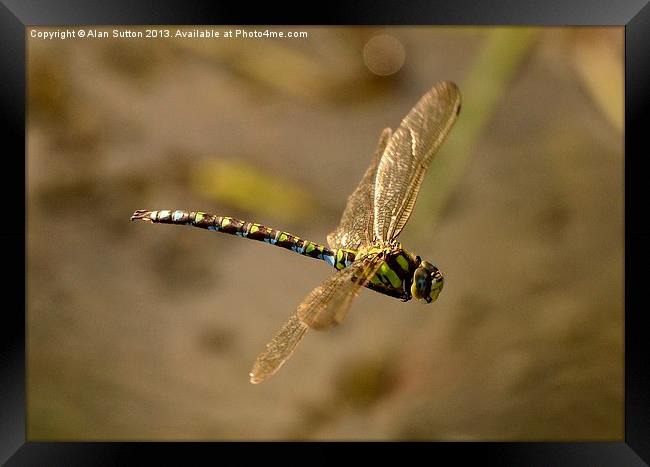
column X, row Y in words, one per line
column 456, row 193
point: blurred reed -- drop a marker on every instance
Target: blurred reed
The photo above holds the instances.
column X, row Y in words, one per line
column 487, row 81
column 247, row 188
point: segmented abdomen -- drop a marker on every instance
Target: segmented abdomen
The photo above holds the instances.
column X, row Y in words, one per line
column 337, row 258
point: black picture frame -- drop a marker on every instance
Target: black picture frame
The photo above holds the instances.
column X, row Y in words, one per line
column 17, row 15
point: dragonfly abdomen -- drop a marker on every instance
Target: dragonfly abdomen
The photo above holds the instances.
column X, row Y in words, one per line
column 262, row 233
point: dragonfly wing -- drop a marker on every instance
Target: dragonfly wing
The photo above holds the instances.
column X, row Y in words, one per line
column 326, row 305
column 356, row 226
column 278, row 350
column 408, row 155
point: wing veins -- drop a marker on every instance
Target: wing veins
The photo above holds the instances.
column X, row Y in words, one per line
column 356, row 226
column 408, row 156
column 325, row 306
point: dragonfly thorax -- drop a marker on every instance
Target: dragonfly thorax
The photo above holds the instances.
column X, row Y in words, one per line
column 402, row 274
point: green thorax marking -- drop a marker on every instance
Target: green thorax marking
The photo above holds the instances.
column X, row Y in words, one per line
column 395, row 275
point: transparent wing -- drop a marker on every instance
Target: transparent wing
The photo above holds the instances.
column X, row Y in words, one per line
column 278, row 350
column 356, row 225
column 326, row 305
column 408, row 155
column 329, row 303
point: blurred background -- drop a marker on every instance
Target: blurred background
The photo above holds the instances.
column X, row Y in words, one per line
column 148, row 332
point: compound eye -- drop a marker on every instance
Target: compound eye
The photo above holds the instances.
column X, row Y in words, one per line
column 436, row 285
column 431, row 268
column 421, row 286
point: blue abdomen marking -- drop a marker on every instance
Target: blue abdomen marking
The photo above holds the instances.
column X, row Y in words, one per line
column 328, row 258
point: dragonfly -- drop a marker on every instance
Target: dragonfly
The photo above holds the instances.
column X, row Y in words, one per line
column 364, row 248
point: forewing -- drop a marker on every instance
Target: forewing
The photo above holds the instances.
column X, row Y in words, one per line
column 326, row 305
column 356, row 225
column 408, row 155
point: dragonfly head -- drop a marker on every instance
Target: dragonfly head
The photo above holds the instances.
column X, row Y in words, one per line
column 427, row 282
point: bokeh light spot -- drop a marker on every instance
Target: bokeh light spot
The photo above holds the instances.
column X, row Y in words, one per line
column 384, row 55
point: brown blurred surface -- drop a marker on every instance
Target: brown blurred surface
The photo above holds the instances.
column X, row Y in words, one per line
column 148, row 332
